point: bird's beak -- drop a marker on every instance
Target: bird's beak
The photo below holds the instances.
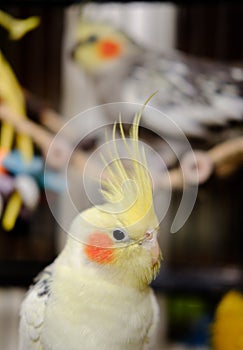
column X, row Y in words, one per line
column 74, row 49
column 151, row 242
column 155, row 250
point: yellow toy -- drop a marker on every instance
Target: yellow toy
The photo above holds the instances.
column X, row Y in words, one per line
column 10, row 90
column 228, row 325
column 18, row 27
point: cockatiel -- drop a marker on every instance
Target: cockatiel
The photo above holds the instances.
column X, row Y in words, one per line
column 96, row 294
column 194, row 94
column 227, row 330
column 11, row 93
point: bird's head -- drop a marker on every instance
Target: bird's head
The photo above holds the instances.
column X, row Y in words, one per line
column 100, row 47
column 120, row 236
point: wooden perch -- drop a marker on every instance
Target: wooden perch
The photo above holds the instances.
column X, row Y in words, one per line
column 43, row 139
column 49, row 118
column 223, row 159
column 227, row 156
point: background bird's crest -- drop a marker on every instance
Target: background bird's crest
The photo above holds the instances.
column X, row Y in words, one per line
column 87, row 28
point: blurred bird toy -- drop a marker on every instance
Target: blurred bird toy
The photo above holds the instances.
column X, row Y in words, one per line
column 17, row 182
column 11, row 95
column 32, row 175
column 19, row 186
column 17, row 28
column 96, row 295
column 227, row 330
column 11, row 92
column 194, row 94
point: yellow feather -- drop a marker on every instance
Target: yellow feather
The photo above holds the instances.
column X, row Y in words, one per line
column 128, row 191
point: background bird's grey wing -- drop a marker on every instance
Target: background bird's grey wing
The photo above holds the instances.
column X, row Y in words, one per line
column 32, row 311
column 192, row 93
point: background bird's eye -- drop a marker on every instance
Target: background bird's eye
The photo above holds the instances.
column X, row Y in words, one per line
column 119, row 235
column 92, row 38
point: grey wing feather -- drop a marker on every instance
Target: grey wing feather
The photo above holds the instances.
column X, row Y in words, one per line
column 33, row 310
column 194, row 94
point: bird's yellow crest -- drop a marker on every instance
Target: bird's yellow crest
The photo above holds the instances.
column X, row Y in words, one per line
column 128, row 190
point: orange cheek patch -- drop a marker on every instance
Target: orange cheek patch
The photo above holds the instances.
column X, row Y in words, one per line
column 98, row 249
column 109, row 49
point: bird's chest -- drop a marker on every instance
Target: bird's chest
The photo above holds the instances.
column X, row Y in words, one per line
column 98, row 318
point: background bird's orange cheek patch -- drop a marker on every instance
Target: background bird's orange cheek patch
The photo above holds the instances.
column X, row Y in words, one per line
column 99, row 248
column 109, row 49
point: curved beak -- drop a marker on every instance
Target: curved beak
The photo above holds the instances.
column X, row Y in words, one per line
column 151, row 243
column 155, row 250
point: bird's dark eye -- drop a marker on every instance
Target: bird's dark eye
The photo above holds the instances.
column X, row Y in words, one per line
column 92, row 38
column 119, row 235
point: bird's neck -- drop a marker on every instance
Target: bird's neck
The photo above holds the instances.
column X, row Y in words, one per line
column 109, row 275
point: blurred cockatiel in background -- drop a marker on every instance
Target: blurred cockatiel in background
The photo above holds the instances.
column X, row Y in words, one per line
column 227, row 330
column 11, row 93
column 96, row 294
column 195, row 94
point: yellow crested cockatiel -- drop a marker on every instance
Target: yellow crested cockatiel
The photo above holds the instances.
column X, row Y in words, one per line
column 196, row 95
column 96, row 294
column 227, row 330
column 11, row 93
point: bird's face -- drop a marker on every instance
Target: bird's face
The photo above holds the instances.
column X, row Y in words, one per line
column 127, row 253
column 119, row 237
column 99, row 47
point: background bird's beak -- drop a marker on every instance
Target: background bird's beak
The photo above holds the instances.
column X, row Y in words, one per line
column 73, row 51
